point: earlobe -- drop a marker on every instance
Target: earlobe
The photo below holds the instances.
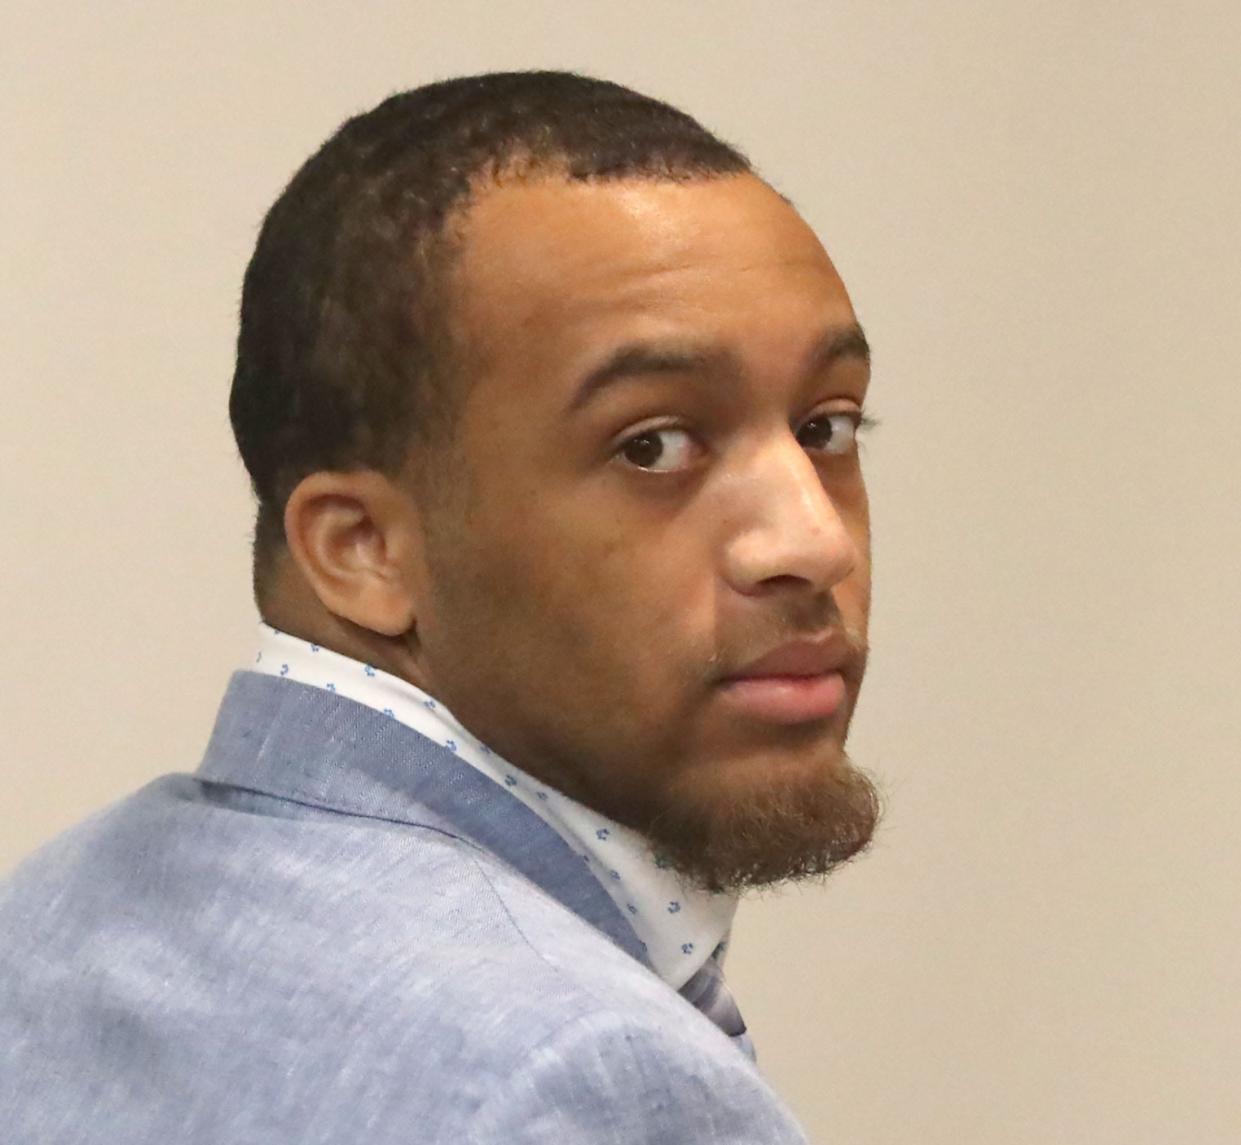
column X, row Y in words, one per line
column 349, row 536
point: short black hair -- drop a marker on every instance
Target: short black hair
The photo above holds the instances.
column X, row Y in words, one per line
column 344, row 360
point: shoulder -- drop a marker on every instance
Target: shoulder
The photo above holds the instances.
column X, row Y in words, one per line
column 249, row 964
column 262, row 887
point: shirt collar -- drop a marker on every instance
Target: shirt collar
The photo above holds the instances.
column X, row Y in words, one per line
column 677, row 924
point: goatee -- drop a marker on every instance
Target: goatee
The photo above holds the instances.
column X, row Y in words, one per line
column 781, row 831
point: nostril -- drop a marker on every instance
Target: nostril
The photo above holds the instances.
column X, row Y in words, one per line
column 783, row 581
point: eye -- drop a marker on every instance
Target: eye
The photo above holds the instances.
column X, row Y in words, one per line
column 659, row 450
column 833, row 433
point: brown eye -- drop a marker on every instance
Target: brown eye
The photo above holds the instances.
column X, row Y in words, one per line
column 643, row 450
column 829, row 433
column 658, row 450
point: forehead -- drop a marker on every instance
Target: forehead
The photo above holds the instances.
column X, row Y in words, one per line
column 550, row 267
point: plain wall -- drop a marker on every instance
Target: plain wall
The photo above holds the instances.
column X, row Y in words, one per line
column 1037, row 208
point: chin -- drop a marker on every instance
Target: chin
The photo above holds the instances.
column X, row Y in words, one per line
column 765, row 817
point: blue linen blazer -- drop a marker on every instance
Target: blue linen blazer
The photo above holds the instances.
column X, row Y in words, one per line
column 336, row 931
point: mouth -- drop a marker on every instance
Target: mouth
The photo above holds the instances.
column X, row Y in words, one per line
column 786, row 699
column 796, row 682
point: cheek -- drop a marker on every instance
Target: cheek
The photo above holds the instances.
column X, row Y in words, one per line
column 853, row 597
column 858, row 586
column 575, row 591
column 625, row 612
column 860, row 618
column 558, row 594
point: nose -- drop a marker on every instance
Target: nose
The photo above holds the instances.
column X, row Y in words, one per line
column 786, row 527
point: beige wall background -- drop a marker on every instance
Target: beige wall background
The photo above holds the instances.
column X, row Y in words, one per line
column 1038, row 210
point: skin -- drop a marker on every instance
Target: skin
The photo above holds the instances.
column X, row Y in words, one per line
column 575, row 591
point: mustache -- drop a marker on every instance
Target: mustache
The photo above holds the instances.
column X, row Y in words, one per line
column 744, row 649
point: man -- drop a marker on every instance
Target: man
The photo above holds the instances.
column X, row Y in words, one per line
column 551, row 407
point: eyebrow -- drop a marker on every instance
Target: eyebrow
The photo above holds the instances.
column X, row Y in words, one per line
column 635, row 359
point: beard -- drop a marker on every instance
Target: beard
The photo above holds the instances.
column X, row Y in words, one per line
column 784, row 830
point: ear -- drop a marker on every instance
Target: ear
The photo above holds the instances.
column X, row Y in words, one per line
column 353, row 537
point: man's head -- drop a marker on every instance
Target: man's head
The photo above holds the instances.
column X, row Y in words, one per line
column 549, row 403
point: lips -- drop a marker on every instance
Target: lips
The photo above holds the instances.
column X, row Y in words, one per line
column 794, row 683
column 799, row 658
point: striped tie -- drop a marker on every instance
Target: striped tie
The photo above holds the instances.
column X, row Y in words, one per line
column 708, row 991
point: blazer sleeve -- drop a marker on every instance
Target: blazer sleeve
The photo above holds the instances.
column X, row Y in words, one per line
column 605, row 1079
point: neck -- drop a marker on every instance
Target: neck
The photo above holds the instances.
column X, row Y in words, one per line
column 292, row 607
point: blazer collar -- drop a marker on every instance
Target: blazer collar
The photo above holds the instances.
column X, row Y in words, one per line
column 304, row 744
